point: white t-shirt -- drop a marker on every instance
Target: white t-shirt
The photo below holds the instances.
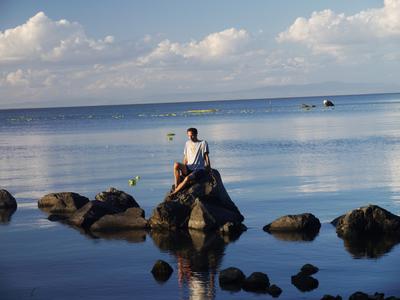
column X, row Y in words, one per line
column 194, row 153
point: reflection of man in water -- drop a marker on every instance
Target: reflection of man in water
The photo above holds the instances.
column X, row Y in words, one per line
column 195, row 162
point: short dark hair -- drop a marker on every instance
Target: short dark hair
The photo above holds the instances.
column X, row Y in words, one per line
column 192, row 130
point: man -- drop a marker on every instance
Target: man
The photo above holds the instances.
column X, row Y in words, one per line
column 195, row 162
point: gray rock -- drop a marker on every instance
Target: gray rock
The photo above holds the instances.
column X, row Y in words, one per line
column 118, row 200
column 304, row 282
column 161, row 271
column 7, row 201
column 295, row 223
column 205, row 206
column 274, row 290
column 231, row 277
column 115, row 210
column 309, row 269
column 366, row 221
column 256, row 282
column 62, row 203
column 132, row 218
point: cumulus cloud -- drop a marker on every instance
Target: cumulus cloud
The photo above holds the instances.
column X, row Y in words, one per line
column 214, row 46
column 337, row 34
column 41, row 38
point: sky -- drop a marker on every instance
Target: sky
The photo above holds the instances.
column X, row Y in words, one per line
column 69, row 53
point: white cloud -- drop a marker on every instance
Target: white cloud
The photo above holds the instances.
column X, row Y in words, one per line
column 43, row 39
column 214, row 46
column 340, row 35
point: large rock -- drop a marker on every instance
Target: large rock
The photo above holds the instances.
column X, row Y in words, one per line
column 307, row 223
column 62, row 203
column 7, row 201
column 367, row 221
column 205, row 206
column 114, row 210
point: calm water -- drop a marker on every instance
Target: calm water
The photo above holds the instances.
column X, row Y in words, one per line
column 275, row 158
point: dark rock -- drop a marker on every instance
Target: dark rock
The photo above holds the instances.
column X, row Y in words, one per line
column 328, row 103
column 329, row 297
column 118, row 200
column 309, row 269
column 205, row 206
column 364, row 296
column 304, row 282
column 57, row 218
column 5, row 215
column 132, row 218
column 367, row 221
column 62, row 203
column 256, row 282
column 231, row 277
column 392, row 298
column 115, row 210
column 294, row 223
column 7, row 201
column 161, row 271
column 274, row 290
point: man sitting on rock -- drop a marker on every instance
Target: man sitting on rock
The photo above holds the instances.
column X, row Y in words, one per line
column 196, row 162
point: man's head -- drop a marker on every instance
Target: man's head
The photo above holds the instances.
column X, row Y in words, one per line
column 192, row 134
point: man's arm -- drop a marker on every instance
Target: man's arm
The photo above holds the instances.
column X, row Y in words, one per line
column 207, row 160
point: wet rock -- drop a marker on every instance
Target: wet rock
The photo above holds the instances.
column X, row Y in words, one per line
column 304, row 282
column 115, row 210
column 161, row 271
column 330, row 297
column 367, row 221
column 309, row 269
column 7, row 201
column 256, row 282
column 231, row 277
column 205, row 206
column 364, row 296
column 274, row 290
column 5, row 215
column 62, row 203
column 295, row 223
column 132, row 218
column 118, row 200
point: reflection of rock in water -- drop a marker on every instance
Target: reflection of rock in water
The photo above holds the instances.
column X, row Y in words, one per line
column 131, row 236
column 295, row 236
column 370, row 246
column 5, row 215
column 198, row 257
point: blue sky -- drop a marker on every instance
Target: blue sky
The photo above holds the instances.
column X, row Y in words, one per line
column 58, row 53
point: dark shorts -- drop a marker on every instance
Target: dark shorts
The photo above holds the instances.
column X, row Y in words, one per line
column 196, row 174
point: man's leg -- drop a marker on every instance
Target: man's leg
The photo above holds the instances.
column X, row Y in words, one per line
column 181, row 185
column 179, row 169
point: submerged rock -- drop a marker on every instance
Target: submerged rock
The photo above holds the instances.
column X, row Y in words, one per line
column 7, row 201
column 256, row 282
column 205, row 206
column 231, row 277
column 161, row 271
column 274, row 290
column 364, row 296
column 62, row 203
column 367, row 221
column 295, row 223
column 304, row 282
column 330, row 297
column 309, row 269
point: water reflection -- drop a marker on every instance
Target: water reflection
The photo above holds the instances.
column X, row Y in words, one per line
column 371, row 246
column 5, row 215
column 198, row 255
column 295, row 236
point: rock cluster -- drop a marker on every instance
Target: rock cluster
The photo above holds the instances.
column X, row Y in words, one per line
column 111, row 211
column 204, row 206
column 233, row 279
